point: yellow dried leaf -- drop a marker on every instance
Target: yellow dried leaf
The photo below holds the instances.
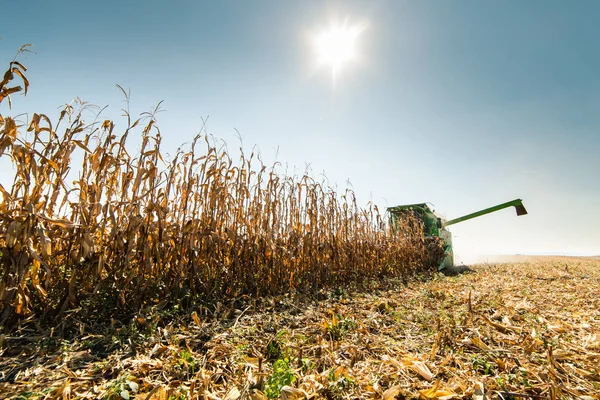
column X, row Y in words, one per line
column 62, row 223
column 35, row 123
column 419, row 367
column 18, row 72
column 5, row 195
column 87, row 244
column 334, row 319
column 560, row 354
column 477, row 342
column 479, row 392
column 45, row 243
column 340, row 371
column 500, row 327
column 392, row 392
column 53, row 165
column 80, row 144
column 429, row 394
column 291, row 393
column 196, row 319
column 233, row 394
column 258, row 395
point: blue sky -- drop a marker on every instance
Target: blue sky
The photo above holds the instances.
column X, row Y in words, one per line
column 464, row 104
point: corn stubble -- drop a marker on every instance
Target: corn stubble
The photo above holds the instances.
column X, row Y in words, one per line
column 123, row 231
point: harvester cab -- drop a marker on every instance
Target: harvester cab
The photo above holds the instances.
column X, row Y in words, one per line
column 435, row 227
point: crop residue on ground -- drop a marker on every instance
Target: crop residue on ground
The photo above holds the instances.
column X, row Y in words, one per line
column 523, row 330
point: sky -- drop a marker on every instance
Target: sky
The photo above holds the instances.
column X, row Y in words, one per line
column 462, row 104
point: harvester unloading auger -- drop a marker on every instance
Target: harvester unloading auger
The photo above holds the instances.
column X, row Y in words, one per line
column 435, row 227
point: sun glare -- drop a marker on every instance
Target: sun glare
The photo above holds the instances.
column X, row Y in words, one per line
column 336, row 47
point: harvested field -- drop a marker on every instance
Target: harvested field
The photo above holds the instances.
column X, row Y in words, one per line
column 509, row 331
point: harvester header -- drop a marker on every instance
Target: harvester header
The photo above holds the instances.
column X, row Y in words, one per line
column 435, row 227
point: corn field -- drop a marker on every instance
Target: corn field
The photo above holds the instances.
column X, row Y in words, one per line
column 121, row 230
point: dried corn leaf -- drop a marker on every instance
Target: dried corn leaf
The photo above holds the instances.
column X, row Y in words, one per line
column 392, row 392
column 436, row 393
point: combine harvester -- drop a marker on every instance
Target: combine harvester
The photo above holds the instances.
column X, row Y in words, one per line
column 435, row 227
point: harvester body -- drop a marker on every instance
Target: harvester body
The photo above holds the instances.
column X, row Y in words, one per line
column 434, row 226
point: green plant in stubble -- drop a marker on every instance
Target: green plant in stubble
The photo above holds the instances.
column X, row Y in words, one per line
column 187, row 361
column 282, row 375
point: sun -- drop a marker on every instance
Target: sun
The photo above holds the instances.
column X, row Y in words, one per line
column 337, row 46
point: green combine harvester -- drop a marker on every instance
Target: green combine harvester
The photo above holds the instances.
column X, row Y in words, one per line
column 435, row 227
